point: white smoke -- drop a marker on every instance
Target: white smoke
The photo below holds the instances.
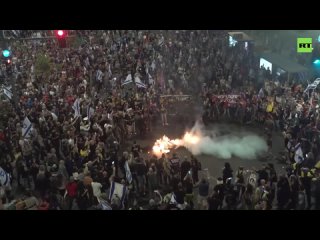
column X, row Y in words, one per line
column 223, row 143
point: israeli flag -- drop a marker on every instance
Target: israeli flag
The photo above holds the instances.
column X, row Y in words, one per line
column 298, row 157
column 161, row 41
column 117, row 191
column 27, row 127
column 261, row 93
column 5, row 178
column 90, row 112
column 109, row 71
column 104, row 205
column 173, row 199
column 99, row 75
column 128, row 172
column 139, row 83
column 76, row 108
column 128, row 80
column 7, row 92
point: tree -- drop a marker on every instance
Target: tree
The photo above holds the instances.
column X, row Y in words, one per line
column 43, row 65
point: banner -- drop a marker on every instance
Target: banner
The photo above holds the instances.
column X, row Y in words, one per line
column 177, row 97
column 231, row 98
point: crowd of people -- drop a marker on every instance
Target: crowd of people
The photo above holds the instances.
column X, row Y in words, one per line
column 106, row 90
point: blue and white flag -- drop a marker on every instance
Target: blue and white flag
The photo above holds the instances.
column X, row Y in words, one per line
column 261, row 93
column 298, row 156
column 7, row 92
column 313, row 85
column 109, row 71
column 117, row 191
column 173, row 199
column 76, row 108
column 5, row 178
column 27, row 127
column 139, row 83
column 105, row 205
column 128, row 172
column 128, row 80
column 90, row 112
column 99, row 75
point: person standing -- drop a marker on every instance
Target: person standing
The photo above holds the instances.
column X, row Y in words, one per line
column 71, row 192
column 306, row 179
column 248, row 198
column 203, row 194
column 227, row 172
column 163, row 111
column 188, row 186
column 195, row 168
column 283, row 192
column 185, row 168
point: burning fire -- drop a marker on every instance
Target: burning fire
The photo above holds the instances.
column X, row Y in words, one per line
column 190, row 138
column 164, row 144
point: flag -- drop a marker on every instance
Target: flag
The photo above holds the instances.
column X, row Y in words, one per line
column 76, row 108
column 54, row 116
column 7, row 92
column 128, row 80
column 261, row 93
column 99, row 75
column 128, row 172
column 161, row 41
column 109, row 71
column 90, row 112
column 139, row 83
column 5, row 178
column 298, row 156
column 150, row 79
column 117, row 191
column 104, row 205
column 27, row 127
column 173, row 199
column 313, row 85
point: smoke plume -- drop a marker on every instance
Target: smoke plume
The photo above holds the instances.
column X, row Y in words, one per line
column 220, row 141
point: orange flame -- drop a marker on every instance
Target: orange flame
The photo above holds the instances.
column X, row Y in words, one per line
column 164, row 144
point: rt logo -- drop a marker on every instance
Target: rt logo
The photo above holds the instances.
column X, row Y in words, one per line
column 304, row 45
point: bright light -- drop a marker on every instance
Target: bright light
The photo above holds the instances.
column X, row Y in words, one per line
column 317, row 61
column 319, row 38
column 60, row 33
column 6, row 53
column 8, row 61
column 164, row 144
